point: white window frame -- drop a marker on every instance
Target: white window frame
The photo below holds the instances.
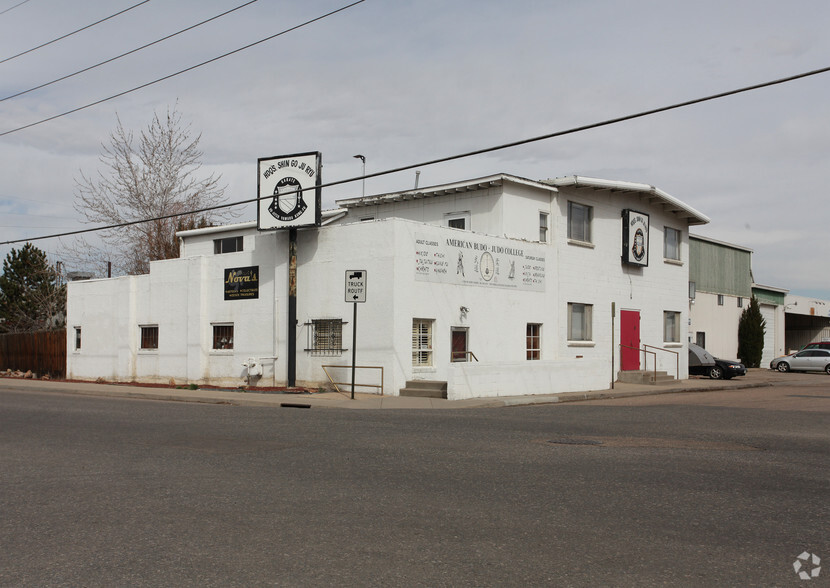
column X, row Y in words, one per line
column 533, row 341
column 668, row 253
column 422, row 338
column 544, row 226
column 583, row 234
column 77, row 338
column 671, row 326
column 228, row 245
column 580, row 331
column 458, row 216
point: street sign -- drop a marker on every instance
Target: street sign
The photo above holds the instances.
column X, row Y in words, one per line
column 355, row 285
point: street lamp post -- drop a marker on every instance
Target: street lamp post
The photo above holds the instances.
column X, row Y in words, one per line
column 363, row 159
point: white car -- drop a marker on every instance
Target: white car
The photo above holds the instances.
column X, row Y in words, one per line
column 807, row 360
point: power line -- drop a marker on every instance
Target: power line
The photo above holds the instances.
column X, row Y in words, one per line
column 482, row 151
column 110, row 60
column 187, row 69
column 73, row 32
column 13, row 7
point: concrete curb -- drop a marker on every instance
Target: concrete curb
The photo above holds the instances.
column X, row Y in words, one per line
column 371, row 401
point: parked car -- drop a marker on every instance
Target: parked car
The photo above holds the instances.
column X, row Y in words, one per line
column 806, row 360
column 817, row 345
column 703, row 363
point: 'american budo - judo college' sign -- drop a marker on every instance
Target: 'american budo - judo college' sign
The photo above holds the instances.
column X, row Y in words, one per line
column 288, row 191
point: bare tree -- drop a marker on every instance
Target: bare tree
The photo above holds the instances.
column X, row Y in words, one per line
column 147, row 178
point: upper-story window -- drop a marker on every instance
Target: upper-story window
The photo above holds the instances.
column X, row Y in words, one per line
column 458, row 220
column 671, row 244
column 543, row 227
column 229, row 245
column 579, row 222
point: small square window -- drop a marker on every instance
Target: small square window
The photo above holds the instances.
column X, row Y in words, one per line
column 579, row 321
column 534, row 341
column 579, row 222
column 325, row 337
column 222, row 336
column 150, row 337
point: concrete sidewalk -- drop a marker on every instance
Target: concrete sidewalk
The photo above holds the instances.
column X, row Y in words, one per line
column 754, row 378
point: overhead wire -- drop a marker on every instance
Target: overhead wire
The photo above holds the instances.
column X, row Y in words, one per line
column 136, row 50
column 445, row 159
column 73, row 32
column 187, row 69
column 13, row 7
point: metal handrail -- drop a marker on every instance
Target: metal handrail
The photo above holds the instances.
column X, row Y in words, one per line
column 364, row 367
column 676, row 359
column 645, row 363
column 466, row 354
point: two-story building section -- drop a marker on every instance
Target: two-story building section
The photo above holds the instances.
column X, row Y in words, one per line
column 494, row 286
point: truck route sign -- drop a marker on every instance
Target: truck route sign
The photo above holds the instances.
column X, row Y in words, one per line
column 355, row 285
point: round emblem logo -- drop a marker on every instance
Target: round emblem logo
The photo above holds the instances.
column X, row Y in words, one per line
column 487, row 266
column 288, row 203
column 638, row 249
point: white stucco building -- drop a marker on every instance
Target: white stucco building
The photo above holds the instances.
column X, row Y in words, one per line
column 495, row 286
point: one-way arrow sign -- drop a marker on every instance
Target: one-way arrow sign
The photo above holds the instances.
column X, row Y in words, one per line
column 355, row 285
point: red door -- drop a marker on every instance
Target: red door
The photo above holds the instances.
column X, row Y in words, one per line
column 630, row 340
column 459, row 344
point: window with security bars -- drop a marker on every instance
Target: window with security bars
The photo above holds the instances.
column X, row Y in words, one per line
column 421, row 342
column 325, row 337
column 534, row 341
column 150, row 337
column 223, row 336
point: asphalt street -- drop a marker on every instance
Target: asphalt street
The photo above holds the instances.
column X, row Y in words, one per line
column 659, row 491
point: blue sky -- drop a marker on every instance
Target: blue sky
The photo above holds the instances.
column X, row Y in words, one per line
column 404, row 82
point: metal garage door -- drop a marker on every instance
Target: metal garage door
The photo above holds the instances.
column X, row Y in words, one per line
column 768, row 312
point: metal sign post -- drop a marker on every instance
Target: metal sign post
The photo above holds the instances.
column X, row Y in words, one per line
column 355, row 292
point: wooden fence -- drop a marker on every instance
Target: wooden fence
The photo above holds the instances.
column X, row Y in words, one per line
column 43, row 352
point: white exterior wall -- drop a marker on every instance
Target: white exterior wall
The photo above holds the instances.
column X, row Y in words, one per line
column 722, row 336
column 483, row 206
column 774, row 345
column 595, row 275
column 184, row 297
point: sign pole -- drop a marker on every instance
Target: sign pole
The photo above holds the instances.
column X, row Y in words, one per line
column 355, row 293
column 292, row 307
column 354, row 345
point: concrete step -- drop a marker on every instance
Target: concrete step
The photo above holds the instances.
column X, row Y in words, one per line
column 644, row 377
column 424, row 389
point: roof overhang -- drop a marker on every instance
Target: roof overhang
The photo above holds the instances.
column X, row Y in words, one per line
column 721, row 243
column 442, row 190
column 650, row 193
